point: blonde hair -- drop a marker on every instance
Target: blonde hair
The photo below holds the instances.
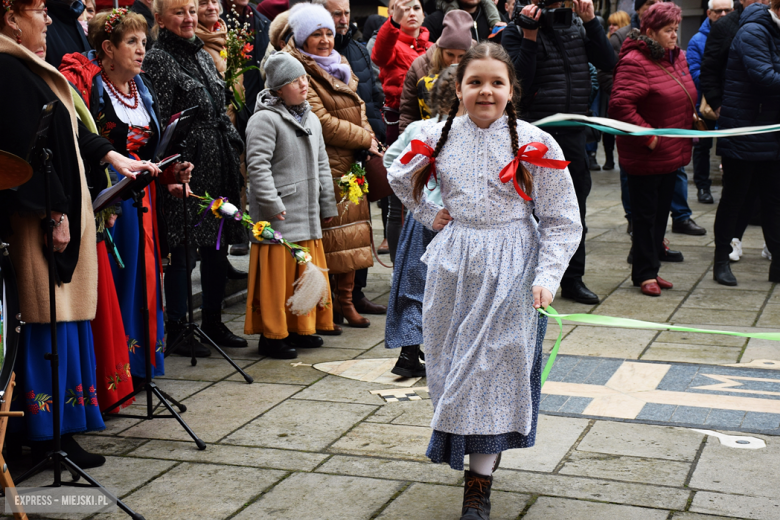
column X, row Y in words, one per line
column 96, row 29
column 160, row 6
column 619, row 18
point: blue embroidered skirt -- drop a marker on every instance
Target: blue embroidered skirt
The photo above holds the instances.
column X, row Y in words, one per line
column 33, row 394
column 404, row 310
column 452, row 448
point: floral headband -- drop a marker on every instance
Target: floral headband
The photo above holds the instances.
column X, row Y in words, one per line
column 7, row 4
column 113, row 19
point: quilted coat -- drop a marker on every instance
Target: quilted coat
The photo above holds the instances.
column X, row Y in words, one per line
column 394, row 52
column 410, row 106
column 184, row 75
column 645, row 95
column 342, row 114
column 751, row 95
column 716, row 56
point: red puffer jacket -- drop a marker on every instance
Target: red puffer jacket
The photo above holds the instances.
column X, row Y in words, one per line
column 394, row 52
column 645, row 95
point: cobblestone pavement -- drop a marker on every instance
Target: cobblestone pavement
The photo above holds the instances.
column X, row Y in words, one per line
column 618, row 435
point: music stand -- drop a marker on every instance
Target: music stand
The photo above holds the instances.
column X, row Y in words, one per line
column 40, row 158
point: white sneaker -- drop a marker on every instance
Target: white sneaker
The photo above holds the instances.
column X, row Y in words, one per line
column 736, row 250
column 765, row 253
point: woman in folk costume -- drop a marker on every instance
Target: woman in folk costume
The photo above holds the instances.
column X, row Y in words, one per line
column 490, row 267
column 123, row 106
column 342, row 113
column 29, row 84
column 288, row 170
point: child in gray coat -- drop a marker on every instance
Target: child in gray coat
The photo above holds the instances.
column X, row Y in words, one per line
column 290, row 185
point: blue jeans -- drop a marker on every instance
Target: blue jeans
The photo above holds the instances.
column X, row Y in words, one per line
column 594, row 111
column 680, row 209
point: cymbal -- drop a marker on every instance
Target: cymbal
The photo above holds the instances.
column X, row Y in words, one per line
column 14, row 171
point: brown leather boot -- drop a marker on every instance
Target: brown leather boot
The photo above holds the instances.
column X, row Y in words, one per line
column 342, row 305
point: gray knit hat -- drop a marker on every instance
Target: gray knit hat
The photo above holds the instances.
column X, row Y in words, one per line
column 281, row 69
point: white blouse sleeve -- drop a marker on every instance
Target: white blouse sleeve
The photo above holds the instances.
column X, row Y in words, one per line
column 400, row 178
column 560, row 228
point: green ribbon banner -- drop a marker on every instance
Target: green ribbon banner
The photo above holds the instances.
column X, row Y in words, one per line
column 612, row 126
column 626, row 323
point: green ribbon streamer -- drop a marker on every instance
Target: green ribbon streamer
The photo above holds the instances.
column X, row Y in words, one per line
column 626, row 323
column 615, row 127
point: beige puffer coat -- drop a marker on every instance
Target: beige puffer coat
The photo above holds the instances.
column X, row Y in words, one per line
column 342, row 114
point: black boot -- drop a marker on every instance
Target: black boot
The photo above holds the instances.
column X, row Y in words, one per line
column 593, row 164
column 81, row 457
column 476, row 496
column 303, row 341
column 409, row 364
column 276, row 348
column 218, row 332
column 722, row 274
column 610, row 164
column 174, row 330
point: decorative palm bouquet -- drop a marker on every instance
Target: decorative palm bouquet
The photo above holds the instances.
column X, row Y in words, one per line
column 236, row 53
column 310, row 290
column 353, row 185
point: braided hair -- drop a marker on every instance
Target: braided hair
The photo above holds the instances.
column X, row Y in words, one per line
column 481, row 51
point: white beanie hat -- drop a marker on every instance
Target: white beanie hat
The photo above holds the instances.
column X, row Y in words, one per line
column 305, row 18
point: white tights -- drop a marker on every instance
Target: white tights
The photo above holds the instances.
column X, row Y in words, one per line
column 482, row 463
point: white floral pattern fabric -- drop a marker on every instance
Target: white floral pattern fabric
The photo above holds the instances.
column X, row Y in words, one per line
column 479, row 324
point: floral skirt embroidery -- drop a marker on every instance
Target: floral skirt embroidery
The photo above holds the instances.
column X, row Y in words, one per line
column 78, row 396
column 404, row 310
column 452, row 448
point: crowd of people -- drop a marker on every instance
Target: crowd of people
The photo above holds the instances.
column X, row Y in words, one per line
column 440, row 99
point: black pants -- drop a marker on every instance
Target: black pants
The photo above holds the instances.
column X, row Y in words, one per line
column 573, row 146
column 740, row 178
column 651, row 201
column 701, row 159
column 213, row 278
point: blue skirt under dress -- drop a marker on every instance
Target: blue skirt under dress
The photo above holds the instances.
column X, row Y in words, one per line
column 79, row 410
column 404, row 310
column 452, row 448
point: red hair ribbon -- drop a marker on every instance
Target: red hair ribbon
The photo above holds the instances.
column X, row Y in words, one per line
column 420, row 148
column 534, row 156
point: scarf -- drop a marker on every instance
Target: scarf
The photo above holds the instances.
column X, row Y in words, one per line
column 332, row 65
column 297, row 111
column 214, row 43
column 774, row 18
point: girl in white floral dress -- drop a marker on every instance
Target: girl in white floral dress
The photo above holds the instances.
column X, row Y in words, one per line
column 489, row 268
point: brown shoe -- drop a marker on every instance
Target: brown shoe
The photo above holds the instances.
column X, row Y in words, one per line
column 383, row 248
column 366, row 306
column 342, row 305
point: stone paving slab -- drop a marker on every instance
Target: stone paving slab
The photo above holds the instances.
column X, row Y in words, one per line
column 436, row 503
column 755, row 508
column 391, row 469
column 628, row 469
column 311, row 495
column 547, row 507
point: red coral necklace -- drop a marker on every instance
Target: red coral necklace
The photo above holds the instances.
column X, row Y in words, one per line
column 119, row 95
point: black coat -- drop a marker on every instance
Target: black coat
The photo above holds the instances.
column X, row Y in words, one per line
column 65, row 34
column 140, row 8
column 553, row 71
column 434, row 22
column 184, row 75
column 30, row 93
column 751, row 94
column 369, row 89
column 716, row 55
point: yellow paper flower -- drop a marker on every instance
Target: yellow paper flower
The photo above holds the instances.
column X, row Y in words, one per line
column 223, row 54
column 215, row 207
column 257, row 229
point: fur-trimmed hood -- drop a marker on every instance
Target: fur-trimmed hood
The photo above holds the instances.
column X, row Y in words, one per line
column 647, row 46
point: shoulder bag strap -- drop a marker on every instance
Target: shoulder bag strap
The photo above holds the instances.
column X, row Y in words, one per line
column 679, row 83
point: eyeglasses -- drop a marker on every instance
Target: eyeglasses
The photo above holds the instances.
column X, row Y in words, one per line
column 44, row 9
column 726, row 10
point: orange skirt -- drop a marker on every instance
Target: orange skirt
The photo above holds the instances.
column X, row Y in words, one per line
column 272, row 271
